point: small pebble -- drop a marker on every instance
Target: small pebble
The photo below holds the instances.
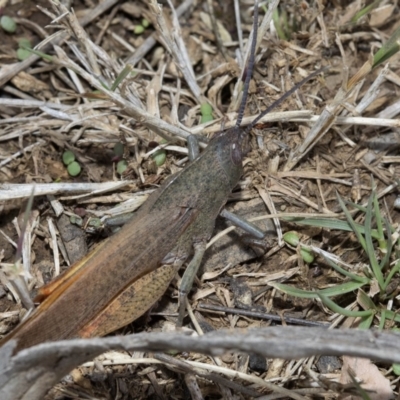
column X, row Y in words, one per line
column 327, row 364
column 257, row 363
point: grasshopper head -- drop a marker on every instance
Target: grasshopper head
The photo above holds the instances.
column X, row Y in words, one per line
column 230, row 147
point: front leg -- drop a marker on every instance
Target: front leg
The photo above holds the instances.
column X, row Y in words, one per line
column 188, row 278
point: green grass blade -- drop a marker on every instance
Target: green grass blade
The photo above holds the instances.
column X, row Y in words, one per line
column 390, row 48
column 342, row 311
column 366, row 322
column 45, row 56
column 124, row 73
column 359, row 390
column 365, row 301
column 278, row 25
column 370, row 250
column 378, row 215
column 329, row 223
column 365, row 11
column 388, row 248
column 393, row 271
column 390, row 315
column 310, row 294
column 352, row 223
column 358, row 207
column 382, row 320
column 346, row 273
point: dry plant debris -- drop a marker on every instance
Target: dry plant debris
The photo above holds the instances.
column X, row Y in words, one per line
column 128, row 72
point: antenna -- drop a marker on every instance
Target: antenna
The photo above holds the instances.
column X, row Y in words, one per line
column 249, row 72
column 250, row 66
column 283, row 98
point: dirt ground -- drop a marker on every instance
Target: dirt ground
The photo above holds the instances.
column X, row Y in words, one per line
column 60, row 110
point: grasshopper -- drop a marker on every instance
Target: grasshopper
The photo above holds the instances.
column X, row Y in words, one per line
column 125, row 275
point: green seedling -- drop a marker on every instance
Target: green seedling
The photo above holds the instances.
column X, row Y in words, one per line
column 159, row 157
column 8, row 24
column 139, row 29
column 24, row 46
column 68, row 157
column 24, row 43
column 95, row 222
column 122, row 166
column 382, row 253
column 76, row 220
column 293, row 239
column 307, row 255
column 23, row 54
column 206, row 113
column 119, row 149
column 74, row 169
column 44, row 56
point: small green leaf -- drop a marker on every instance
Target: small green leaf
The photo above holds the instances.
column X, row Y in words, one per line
column 76, row 220
column 8, row 24
column 145, row 23
column 139, row 29
column 23, row 54
column 119, row 149
column 95, row 222
column 307, row 255
column 122, row 166
column 206, row 109
column 68, row 157
column 74, row 169
column 206, row 118
column 291, row 238
column 24, row 43
column 396, row 369
column 159, row 157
